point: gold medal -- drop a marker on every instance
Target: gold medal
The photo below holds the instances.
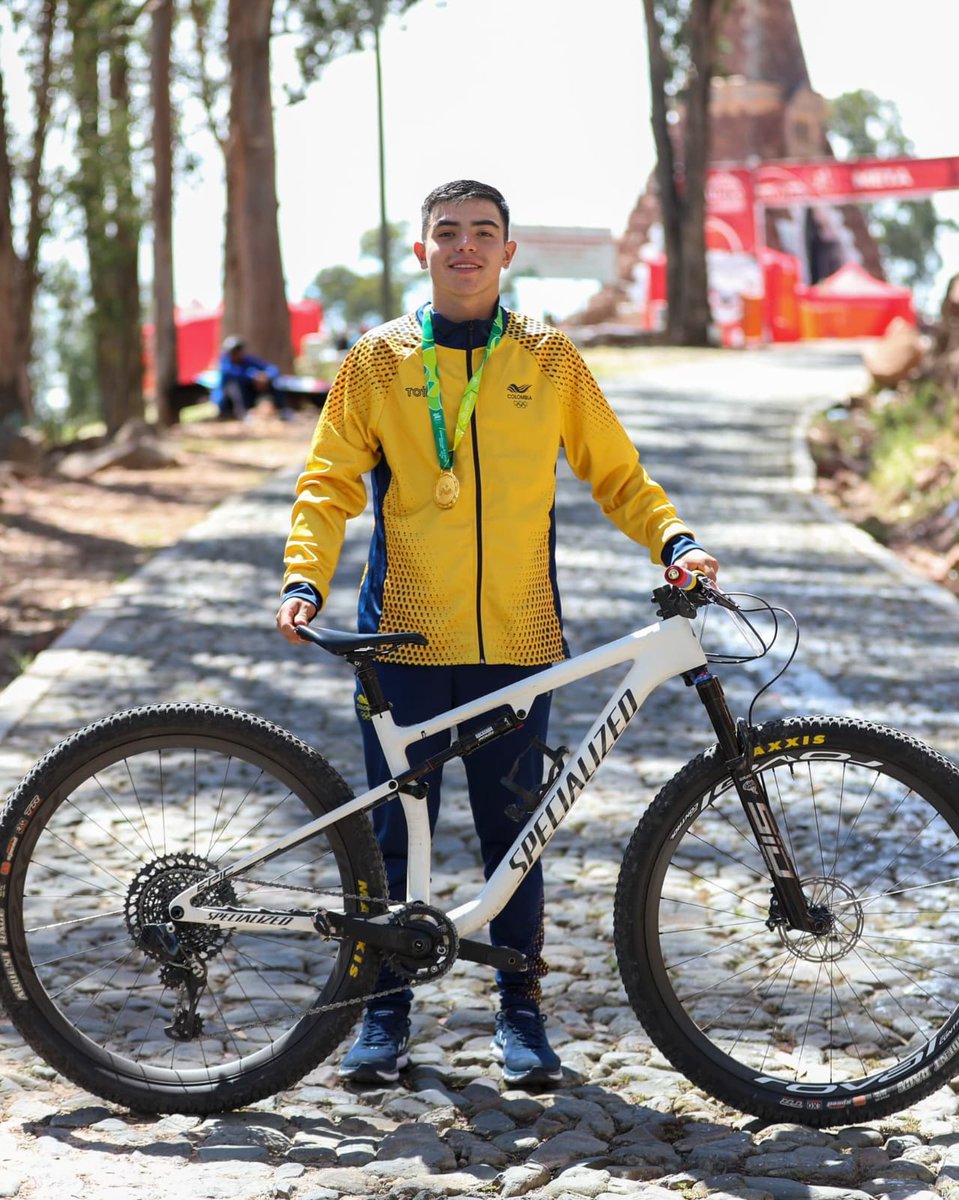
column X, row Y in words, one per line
column 447, row 490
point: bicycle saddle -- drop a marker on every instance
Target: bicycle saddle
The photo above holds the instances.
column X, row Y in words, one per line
column 346, row 645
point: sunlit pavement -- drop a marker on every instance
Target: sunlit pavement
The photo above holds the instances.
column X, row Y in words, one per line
column 722, row 433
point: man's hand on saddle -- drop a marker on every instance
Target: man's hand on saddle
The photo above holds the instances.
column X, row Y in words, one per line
column 293, row 612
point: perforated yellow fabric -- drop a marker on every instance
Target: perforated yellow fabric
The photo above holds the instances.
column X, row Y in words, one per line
column 478, row 579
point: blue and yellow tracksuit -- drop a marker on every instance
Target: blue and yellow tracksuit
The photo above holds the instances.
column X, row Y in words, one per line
column 479, row 579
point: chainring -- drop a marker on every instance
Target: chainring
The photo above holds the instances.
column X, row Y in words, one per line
column 440, row 932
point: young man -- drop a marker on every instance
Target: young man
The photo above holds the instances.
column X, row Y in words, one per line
column 459, row 412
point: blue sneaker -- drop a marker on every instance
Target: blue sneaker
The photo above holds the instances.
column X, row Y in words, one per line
column 380, row 1052
column 520, row 1045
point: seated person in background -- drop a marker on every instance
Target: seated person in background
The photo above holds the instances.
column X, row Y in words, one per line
column 244, row 379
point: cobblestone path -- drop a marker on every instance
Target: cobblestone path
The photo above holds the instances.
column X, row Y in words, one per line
column 722, row 432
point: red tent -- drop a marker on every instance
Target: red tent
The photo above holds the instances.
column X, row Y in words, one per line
column 852, row 303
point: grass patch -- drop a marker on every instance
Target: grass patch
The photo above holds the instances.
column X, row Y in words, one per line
column 889, row 458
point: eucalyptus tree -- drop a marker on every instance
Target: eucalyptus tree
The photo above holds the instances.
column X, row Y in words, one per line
column 681, row 39
column 22, row 170
column 240, row 34
column 103, row 186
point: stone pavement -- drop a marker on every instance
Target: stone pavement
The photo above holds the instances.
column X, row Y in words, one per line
column 722, row 432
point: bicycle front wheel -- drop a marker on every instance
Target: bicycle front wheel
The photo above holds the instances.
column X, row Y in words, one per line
column 854, row 1023
column 96, row 841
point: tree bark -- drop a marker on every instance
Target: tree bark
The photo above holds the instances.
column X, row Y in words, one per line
column 701, row 35
column 164, row 317
column 12, row 401
column 19, row 277
column 670, row 205
column 104, row 184
column 682, row 184
column 254, row 256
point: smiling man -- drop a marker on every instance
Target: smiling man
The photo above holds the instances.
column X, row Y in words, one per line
column 458, row 413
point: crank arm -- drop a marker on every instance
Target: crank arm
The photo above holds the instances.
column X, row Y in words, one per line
column 374, row 932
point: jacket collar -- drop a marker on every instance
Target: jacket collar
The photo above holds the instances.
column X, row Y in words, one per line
column 460, row 335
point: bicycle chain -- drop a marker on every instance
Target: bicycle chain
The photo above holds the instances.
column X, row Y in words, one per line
column 356, row 1001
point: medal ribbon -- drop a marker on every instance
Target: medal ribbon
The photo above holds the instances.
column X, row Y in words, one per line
column 434, row 396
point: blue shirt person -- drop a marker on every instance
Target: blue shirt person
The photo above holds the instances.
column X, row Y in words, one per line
column 244, row 379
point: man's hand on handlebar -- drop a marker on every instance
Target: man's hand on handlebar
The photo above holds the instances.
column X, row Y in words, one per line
column 293, row 612
column 699, row 561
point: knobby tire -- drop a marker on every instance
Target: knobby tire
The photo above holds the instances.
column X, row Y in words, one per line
column 99, row 836
column 818, row 1029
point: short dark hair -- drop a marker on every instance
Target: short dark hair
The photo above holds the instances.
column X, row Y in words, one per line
column 464, row 189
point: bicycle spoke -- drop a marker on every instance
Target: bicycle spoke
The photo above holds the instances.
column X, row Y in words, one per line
column 877, row 860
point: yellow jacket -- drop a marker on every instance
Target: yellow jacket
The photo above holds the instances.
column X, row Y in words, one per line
column 479, row 579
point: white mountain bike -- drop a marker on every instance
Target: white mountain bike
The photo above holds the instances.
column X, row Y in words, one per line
column 193, row 905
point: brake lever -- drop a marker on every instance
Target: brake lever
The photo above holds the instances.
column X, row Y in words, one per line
column 694, row 583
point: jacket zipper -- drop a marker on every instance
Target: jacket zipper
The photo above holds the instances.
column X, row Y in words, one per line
column 479, row 503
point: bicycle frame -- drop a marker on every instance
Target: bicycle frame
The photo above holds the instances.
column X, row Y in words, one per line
column 654, row 653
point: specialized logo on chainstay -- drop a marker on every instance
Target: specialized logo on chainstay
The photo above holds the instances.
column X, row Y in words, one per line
column 573, row 781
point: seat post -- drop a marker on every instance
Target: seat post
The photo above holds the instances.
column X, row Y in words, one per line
column 364, row 666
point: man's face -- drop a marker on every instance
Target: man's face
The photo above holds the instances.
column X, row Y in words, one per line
column 465, row 250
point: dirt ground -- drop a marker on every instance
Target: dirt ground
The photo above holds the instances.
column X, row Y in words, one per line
column 65, row 543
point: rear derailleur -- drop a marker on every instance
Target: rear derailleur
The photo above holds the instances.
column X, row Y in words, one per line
column 180, row 970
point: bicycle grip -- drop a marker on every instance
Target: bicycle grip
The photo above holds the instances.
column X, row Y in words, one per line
column 679, row 577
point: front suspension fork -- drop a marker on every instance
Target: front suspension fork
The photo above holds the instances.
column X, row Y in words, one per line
column 789, row 901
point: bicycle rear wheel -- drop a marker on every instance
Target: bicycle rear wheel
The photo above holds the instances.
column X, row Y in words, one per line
column 95, row 842
column 853, row 1024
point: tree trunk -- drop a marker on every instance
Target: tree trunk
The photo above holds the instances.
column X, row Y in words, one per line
column 19, row 278
column 12, row 406
column 670, row 204
column 701, row 35
column 682, row 185
column 232, row 317
column 164, row 318
column 264, row 318
column 104, row 184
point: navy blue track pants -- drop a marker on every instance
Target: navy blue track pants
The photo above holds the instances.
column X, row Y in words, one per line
column 416, row 693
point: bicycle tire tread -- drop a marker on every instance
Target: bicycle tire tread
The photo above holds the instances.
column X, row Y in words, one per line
column 204, row 723
column 658, row 824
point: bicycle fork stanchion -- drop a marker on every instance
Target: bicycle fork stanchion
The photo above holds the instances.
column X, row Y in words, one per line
column 789, row 904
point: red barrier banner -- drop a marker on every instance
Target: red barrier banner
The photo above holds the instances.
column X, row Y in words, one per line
column 730, row 220
column 734, row 191
column 777, row 184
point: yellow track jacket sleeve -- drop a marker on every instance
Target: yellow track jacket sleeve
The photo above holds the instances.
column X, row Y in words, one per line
column 331, row 489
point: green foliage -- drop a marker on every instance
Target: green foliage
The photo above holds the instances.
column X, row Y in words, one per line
column 327, row 29
column 869, row 127
column 902, row 445
column 906, row 230
column 64, row 356
column 914, row 429
column 350, row 299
